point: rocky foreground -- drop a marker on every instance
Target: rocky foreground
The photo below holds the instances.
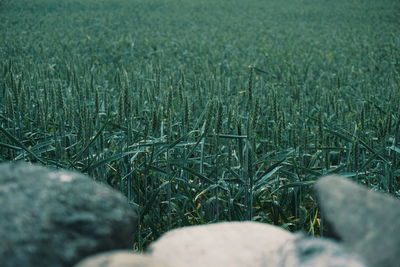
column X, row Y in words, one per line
column 56, row 218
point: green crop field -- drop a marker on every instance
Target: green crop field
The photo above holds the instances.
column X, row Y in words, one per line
column 205, row 110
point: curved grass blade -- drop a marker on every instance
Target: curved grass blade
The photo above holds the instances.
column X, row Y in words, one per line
column 15, row 140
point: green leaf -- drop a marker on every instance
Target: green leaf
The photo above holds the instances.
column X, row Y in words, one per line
column 80, row 153
column 15, row 140
column 294, row 184
column 266, row 177
column 395, row 148
column 107, row 160
column 195, row 173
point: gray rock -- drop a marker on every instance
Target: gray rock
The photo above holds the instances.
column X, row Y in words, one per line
column 242, row 244
column 316, row 252
column 55, row 218
column 367, row 222
column 234, row 244
column 122, row 258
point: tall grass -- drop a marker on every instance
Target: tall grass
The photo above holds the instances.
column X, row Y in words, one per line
column 204, row 111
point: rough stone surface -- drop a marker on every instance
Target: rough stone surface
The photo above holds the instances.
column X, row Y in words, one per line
column 122, row 258
column 242, row 244
column 55, row 218
column 316, row 252
column 234, row 244
column 367, row 222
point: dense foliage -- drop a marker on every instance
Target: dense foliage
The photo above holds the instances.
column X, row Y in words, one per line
column 206, row 110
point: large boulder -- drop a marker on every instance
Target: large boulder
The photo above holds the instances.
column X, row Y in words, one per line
column 230, row 244
column 52, row 217
column 367, row 222
column 122, row 258
column 316, row 252
column 242, row 244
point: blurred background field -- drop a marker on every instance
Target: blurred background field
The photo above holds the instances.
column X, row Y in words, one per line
column 204, row 111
